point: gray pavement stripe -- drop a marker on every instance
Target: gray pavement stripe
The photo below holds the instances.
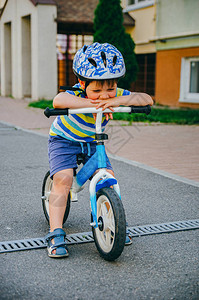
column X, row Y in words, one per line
column 23, row 129
column 7, row 128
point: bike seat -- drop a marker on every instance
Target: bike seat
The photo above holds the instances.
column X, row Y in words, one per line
column 80, row 158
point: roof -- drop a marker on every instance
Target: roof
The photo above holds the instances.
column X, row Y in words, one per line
column 82, row 11
column 77, row 17
column 35, row 2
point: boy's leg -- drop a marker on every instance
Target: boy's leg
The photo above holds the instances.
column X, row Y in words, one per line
column 111, row 172
column 62, row 182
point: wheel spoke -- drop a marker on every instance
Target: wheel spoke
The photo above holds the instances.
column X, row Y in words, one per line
column 110, row 213
column 104, row 209
column 108, row 236
column 110, row 218
column 112, row 228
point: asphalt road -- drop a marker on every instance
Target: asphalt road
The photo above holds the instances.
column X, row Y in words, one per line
column 163, row 266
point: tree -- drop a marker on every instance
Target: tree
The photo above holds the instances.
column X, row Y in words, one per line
column 108, row 28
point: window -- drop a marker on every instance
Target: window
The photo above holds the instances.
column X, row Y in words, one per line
column 136, row 4
column 194, row 77
column 189, row 83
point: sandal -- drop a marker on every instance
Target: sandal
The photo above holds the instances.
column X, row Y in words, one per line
column 58, row 235
column 128, row 240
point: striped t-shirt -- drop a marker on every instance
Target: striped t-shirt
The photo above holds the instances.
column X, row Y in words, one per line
column 79, row 127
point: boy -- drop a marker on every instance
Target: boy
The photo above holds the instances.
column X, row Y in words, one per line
column 98, row 68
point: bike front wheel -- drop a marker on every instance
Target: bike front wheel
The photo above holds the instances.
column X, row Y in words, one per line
column 110, row 235
column 46, row 190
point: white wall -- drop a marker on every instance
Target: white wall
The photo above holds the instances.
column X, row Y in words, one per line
column 42, row 70
column 2, row 2
column 175, row 17
column 46, row 51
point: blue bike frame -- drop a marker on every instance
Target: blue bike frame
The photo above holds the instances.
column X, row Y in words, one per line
column 100, row 179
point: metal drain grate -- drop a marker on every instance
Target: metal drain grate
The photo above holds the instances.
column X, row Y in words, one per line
column 38, row 243
column 163, row 227
column 87, row 237
column 19, row 245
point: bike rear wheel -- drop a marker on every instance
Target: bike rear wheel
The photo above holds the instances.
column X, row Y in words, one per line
column 110, row 235
column 46, row 190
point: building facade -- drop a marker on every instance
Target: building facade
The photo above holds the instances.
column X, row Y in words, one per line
column 166, row 34
column 28, row 49
column 177, row 59
column 38, row 40
column 144, row 31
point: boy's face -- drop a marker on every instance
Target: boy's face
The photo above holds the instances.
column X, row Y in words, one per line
column 96, row 91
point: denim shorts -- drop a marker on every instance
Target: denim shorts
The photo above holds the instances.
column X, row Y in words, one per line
column 63, row 153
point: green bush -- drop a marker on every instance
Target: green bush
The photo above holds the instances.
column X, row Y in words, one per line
column 163, row 115
column 42, row 104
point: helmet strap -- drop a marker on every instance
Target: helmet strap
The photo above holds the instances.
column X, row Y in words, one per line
column 86, row 84
column 83, row 84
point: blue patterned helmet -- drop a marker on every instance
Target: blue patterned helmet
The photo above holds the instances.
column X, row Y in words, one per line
column 98, row 62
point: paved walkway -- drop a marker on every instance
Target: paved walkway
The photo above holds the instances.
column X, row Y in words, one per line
column 171, row 148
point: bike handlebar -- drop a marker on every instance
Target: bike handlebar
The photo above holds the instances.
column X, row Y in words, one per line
column 130, row 109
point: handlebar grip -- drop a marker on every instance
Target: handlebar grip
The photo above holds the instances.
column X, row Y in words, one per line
column 55, row 112
column 141, row 109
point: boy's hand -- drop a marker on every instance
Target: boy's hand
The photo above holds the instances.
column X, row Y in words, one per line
column 107, row 115
column 104, row 104
column 108, row 103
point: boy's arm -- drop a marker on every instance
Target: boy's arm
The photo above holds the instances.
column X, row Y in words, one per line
column 134, row 99
column 65, row 100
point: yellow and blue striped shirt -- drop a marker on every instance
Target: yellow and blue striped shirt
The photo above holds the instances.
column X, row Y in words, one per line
column 79, row 127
